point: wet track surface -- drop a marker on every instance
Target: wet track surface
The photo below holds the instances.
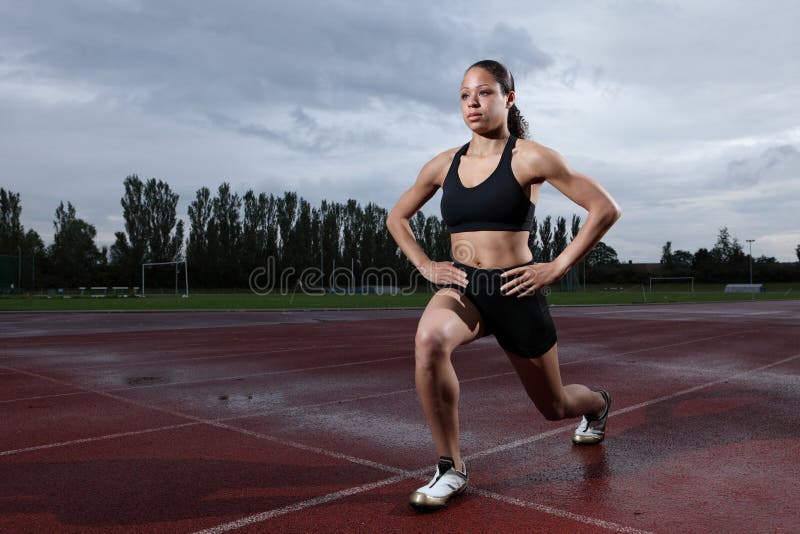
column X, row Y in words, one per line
column 309, row 421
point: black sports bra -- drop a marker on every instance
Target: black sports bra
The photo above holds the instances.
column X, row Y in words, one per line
column 497, row 203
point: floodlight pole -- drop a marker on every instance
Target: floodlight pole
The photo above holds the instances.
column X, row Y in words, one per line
column 750, row 242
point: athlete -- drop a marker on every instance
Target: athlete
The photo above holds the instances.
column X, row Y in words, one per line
column 493, row 286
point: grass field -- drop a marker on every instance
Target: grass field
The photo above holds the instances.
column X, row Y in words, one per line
column 635, row 294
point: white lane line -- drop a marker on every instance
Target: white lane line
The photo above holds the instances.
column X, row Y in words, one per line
column 39, row 397
column 211, row 422
column 679, row 313
column 376, row 395
column 232, row 418
column 410, row 357
column 98, row 438
column 302, row 505
column 466, row 348
column 702, row 386
column 362, row 461
column 245, row 416
column 557, row 512
column 250, row 352
column 264, row 516
column 342, row 401
column 205, row 380
column 616, row 412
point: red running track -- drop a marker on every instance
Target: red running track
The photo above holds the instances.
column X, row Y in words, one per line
column 309, row 422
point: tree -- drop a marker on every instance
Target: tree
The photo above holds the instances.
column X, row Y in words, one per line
column 436, row 241
column 225, row 234
column 74, row 256
column 729, row 257
column 152, row 229
column 533, row 242
column 559, row 237
column 329, row 228
column 254, row 231
column 575, row 226
column 727, row 250
column 15, row 241
column 301, row 236
column 197, row 250
column 602, row 254
column 11, row 231
column 163, row 230
column 546, row 234
column 286, row 215
column 682, row 258
column 369, row 239
column 128, row 250
column 352, row 217
column 704, row 265
column 316, row 238
column 572, row 278
column 666, row 254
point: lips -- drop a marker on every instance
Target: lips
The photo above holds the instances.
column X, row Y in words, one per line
column 474, row 115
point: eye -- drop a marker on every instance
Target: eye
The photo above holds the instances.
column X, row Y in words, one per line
column 484, row 92
column 463, row 96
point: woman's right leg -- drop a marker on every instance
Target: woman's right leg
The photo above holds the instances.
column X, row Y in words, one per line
column 450, row 319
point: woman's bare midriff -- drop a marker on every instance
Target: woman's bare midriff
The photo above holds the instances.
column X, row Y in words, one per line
column 490, row 249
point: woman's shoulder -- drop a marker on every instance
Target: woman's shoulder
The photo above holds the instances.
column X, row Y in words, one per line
column 529, row 148
column 435, row 170
column 536, row 159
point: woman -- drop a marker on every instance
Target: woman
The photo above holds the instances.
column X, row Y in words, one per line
column 489, row 189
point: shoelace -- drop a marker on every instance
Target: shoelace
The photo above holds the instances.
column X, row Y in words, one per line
column 585, row 425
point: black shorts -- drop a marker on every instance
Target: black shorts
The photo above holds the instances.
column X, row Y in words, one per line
column 521, row 325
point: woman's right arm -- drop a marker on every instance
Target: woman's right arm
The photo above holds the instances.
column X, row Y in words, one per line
column 409, row 203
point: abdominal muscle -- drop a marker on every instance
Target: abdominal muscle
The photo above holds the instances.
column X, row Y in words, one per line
column 490, row 249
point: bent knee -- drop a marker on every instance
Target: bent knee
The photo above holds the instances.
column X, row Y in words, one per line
column 431, row 344
column 555, row 411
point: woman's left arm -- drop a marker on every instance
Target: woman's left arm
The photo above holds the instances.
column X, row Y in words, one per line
column 584, row 191
column 590, row 195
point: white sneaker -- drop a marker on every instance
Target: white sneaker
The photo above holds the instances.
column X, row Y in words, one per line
column 592, row 428
column 447, row 481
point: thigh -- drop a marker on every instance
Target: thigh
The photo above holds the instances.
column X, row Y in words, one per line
column 540, row 376
column 523, row 325
column 450, row 319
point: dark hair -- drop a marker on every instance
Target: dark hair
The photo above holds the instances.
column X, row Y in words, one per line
column 517, row 124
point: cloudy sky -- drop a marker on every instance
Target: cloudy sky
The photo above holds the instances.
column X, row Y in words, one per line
column 687, row 112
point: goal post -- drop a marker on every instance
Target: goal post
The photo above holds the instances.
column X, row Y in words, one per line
column 177, row 265
column 669, row 279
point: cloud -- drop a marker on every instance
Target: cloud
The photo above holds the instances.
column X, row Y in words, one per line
column 188, row 56
column 686, row 112
column 303, row 135
column 779, row 163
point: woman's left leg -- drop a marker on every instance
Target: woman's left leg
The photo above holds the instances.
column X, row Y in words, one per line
column 542, row 380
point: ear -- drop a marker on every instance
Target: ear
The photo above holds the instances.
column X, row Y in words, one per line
column 511, row 98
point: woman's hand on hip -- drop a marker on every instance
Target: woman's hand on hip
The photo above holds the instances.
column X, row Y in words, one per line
column 525, row 280
column 443, row 272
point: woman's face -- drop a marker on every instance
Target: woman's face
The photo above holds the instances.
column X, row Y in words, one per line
column 484, row 107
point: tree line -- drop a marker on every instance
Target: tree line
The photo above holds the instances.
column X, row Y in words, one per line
column 726, row 261
column 230, row 234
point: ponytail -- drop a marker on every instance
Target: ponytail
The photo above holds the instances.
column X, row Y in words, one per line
column 517, row 125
